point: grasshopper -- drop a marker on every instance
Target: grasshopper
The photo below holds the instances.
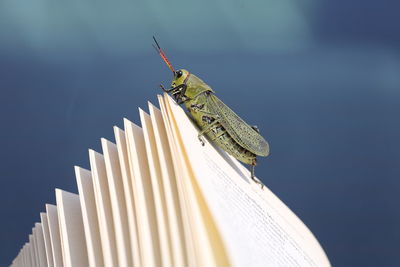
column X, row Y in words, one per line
column 215, row 119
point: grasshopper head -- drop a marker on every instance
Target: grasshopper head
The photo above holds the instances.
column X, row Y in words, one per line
column 180, row 77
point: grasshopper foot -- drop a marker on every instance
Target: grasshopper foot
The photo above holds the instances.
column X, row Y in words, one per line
column 255, row 128
column 201, row 140
column 163, row 88
column 254, row 178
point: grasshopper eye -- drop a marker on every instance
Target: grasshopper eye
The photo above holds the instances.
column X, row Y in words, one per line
column 178, row 73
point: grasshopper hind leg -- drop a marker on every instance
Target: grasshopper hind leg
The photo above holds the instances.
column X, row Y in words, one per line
column 253, row 177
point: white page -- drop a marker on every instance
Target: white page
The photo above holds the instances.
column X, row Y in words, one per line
column 143, row 195
column 33, row 254
column 185, row 209
column 104, row 210
column 117, row 198
column 47, row 241
column 71, row 229
column 209, row 248
column 158, row 189
column 89, row 216
column 26, row 255
column 28, row 261
column 29, row 254
column 40, row 244
column 23, row 256
column 54, row 230
column 173, row 208
column 257, row 228
column 35, row 246
column 128, row 193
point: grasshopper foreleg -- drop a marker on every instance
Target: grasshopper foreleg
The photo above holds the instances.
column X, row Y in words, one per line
column 174, row 90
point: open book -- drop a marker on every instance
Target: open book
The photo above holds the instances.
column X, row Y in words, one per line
column 157, row 197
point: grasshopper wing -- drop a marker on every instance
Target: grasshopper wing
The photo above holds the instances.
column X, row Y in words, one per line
column 239, row 130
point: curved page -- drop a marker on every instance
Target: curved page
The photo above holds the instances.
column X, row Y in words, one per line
column 257, row 228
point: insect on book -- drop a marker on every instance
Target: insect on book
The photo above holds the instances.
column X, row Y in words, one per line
column 155, row 196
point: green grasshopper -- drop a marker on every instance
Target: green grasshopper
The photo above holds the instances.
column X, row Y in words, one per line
column 215, row 119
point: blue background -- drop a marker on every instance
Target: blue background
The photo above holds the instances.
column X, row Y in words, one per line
column 321, row 80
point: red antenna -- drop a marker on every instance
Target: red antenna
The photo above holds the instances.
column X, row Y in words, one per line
column 162, row 54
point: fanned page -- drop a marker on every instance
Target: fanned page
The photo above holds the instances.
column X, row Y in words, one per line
column 103, row 205
column 158, row 189
column 35, row 245
column 32, row 248
column 256, row 228
column 128, row 193
column 174, row 214
column 204, row 243
column 89, row 216
column 40, row 244
column 118, row 205
column 72, row 234
column 47, row 242
column 184, row 209
column 149, row 244
column 54, row 230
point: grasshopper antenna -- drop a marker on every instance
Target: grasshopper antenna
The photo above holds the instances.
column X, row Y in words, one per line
column 162, row 54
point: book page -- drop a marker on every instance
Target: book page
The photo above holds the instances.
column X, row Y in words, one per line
column 47, row 242
column 89, row 216
column 143, row 195
column 35, row 246
column 27, row 260
column 117, row 198
column 174, row 214
column 103, row 205
column 158, row 189
column 40, row 244
column 52, row 217
column 128, row 193
column 24, row 261
column 208, row 244
column 29, row 252
column 189, row 237
column 257, row 228
column 71, row 229
column 33, row 250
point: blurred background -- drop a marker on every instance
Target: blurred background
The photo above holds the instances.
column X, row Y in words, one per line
column 321, row 79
